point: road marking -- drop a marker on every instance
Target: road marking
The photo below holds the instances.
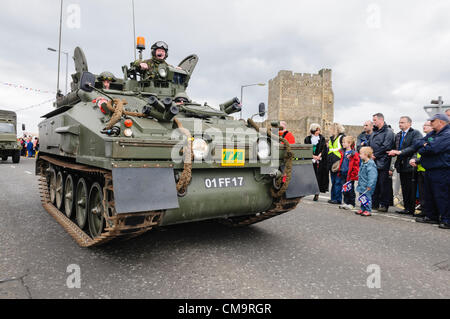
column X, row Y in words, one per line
column 395, row 217
column 388, row 215
column 13, row 166
column 28, row 172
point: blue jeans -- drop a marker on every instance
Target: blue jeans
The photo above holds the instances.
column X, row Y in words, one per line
column 369, row 194
column 336, row 187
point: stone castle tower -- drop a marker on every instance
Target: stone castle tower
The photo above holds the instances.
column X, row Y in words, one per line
column 301, row 99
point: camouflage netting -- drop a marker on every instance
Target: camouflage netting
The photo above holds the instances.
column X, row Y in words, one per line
column 186, row 175
column 116, row 106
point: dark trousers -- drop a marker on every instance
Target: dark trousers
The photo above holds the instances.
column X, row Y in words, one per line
column 437, row 190
column 409, row 187
column 383, row 190
column 350, row 196
column 421, row 185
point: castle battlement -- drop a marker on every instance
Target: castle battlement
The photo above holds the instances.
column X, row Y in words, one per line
column 301, row 99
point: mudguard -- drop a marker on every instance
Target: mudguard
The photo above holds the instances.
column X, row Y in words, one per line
column 303, row 182
column 144, row 189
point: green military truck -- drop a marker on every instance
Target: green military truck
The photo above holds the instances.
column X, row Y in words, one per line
column 8, row 137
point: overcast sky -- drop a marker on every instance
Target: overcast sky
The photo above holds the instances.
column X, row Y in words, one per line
column 386, row 56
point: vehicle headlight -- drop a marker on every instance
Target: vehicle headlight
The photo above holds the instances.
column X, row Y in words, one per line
column 200, row 148
column 263, row 149
column 128, row 132
column 162, row 73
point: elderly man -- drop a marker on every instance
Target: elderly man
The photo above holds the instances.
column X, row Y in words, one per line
column 434, row 149
column 381, row 141
column 447, row 111
column 363, row 138
column 404, row 139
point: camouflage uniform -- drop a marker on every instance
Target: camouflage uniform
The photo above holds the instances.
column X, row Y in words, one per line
column 153, row 66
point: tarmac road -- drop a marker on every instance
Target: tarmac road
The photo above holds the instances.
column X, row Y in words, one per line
column 316, row 251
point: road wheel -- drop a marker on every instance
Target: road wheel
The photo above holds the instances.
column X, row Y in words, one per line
column 52, row 185
column 59, row 190
column 95, row 210
column 68, row 196
column 16, row 157
column 81, row 198
column 4, row 158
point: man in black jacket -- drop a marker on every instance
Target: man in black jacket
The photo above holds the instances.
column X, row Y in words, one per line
column 404, row 139
column 363, row 138
column 381, row 141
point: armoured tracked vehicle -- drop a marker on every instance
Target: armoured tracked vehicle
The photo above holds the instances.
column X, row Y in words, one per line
column 140, row 154
column 8, row 137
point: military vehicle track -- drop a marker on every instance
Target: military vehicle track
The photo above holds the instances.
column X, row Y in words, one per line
column 279, row 208
column 124, row 226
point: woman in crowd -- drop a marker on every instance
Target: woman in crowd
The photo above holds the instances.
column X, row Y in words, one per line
column 319, row 157
column 334, row 157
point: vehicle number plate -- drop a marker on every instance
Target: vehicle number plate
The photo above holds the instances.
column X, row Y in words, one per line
column 224, row 182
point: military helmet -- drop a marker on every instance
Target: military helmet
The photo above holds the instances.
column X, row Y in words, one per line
column 160, row 45
column 107, row 76
column 182, row 97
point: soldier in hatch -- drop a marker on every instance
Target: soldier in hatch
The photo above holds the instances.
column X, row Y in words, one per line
column 160, row 52
column 106, row 78
column 181, row 99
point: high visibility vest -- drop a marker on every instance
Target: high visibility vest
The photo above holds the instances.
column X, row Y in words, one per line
column 420, row 167
column 335, row 147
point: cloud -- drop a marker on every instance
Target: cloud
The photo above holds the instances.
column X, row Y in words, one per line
column 386, row 56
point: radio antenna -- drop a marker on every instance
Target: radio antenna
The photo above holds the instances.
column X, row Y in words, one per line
column 59, row 51
column 134, row 31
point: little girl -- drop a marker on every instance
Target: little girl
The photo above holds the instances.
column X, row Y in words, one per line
column 348, row 171
column 367, row 179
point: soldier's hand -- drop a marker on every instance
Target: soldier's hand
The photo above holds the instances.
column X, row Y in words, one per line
column 412, row 162
column 144, row 66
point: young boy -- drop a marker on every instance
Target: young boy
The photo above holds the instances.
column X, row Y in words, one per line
column 367, row 181
column 348, row 171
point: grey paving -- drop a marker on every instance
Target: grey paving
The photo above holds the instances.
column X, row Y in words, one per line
column 316, row 251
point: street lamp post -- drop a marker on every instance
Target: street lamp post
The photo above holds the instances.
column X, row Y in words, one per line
column 242, row 91
column 67, row 64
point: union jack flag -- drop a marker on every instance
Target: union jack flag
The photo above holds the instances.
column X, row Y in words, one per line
column 365, row 201
column 347, row 187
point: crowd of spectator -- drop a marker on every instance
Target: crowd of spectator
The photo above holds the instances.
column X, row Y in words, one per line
column 30, row 146
column 367, row 164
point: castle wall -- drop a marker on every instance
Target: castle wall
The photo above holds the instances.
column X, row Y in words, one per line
column 301, row 99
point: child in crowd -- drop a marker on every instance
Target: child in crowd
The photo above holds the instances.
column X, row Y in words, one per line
column 348, row 171
column 367, row 181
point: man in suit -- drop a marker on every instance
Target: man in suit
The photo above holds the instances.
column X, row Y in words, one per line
column 408, row 175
